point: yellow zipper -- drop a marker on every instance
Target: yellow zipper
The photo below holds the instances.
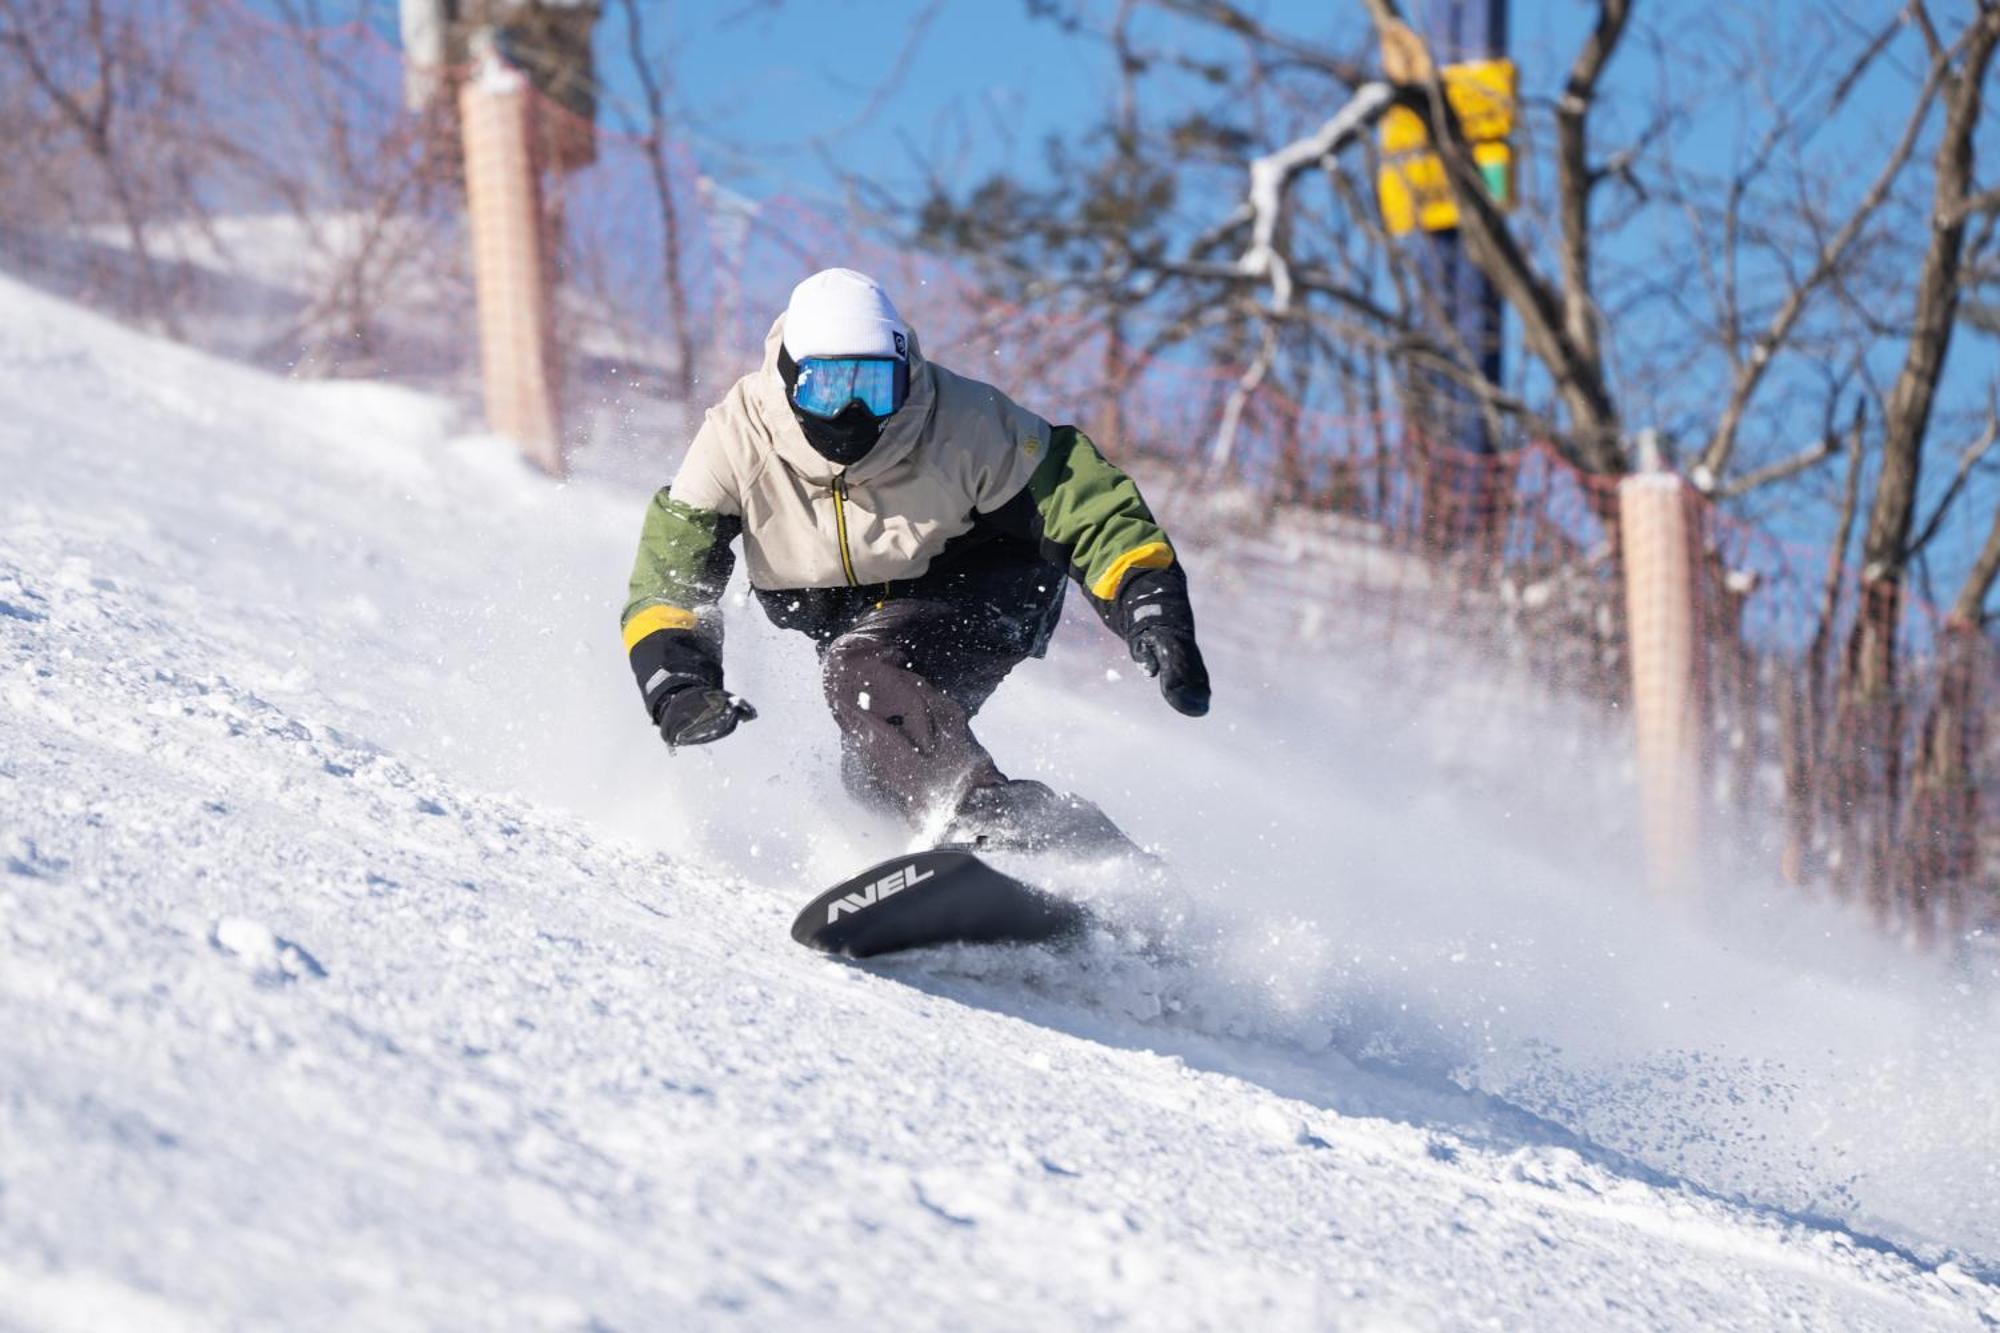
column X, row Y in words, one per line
column 840, row 526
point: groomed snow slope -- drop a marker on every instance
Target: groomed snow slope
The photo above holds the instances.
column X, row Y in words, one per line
column 365, row 963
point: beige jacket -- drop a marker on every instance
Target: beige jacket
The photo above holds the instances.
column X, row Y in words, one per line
column 956, row 446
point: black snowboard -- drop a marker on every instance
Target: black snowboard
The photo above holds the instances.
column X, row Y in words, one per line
column 946, row 896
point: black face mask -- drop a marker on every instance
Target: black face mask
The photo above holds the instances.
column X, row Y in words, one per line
column 845, row 438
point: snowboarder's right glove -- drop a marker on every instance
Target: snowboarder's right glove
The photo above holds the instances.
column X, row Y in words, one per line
column 698, row 714
column 680, row 675
column 1158, row 624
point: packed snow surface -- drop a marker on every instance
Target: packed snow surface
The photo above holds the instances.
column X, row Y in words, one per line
column 366, row 962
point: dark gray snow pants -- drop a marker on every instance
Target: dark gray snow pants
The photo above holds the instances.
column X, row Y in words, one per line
column 904, row 681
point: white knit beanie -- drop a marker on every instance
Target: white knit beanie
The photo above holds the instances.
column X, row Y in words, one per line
column 838, row 312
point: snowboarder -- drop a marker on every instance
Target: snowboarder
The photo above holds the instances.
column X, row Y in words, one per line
column 916, row 524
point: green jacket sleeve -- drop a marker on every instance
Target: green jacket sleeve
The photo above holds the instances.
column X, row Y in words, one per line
column 1088, row 518
column 672, row 624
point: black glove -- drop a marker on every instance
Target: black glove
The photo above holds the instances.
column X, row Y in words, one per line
column 1158, row 624
column 699, row 714
column 679, row 670
column 1173, row 656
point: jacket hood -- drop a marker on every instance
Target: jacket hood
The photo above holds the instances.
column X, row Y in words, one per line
column 901, row 433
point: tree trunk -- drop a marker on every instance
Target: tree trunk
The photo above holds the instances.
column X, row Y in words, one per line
column 1872, row 715
column 1868, row 780
column 1941, row 839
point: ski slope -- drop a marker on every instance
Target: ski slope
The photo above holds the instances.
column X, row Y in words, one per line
column 366, row 962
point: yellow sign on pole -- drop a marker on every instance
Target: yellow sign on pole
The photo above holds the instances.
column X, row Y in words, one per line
column 1411, row 184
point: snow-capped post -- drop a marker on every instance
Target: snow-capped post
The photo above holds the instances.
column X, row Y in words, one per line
column 426, row 28
column 1658, row 525
column 520, row 76
column 510, row 272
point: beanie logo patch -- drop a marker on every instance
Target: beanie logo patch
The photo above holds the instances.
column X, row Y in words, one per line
column 902, row 348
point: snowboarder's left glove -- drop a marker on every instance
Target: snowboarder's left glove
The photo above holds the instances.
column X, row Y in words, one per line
column 700, row 714
column 1173, row 656
column 1158, row 624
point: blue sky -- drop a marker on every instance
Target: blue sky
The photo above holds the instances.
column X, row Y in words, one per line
column 763, row 84
column 770, row 91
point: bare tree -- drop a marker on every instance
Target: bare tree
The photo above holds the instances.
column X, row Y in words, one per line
column 140, row 116
column 1938, row 290
column 114, row 87
column 656, row 138
column 356, row 172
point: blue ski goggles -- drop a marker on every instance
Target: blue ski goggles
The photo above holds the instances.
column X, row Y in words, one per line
column 827, row 384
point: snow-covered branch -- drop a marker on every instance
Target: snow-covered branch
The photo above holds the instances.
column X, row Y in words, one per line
column 1271, row 176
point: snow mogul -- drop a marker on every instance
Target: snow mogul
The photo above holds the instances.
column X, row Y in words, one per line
column 916, row 524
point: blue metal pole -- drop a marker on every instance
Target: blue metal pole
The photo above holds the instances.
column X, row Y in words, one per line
column 1458, row 30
